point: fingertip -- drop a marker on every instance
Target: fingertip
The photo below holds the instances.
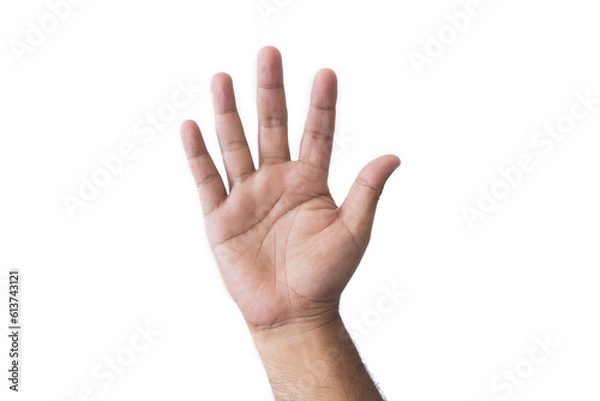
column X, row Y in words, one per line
column 380, row 169
column 395, row 161
column 223, row 96
column 188, row 123
column 388, row 162
column 219, row 80
column 270, row 68
column 392, row 163
column 191, row 138
column 186, row 127
column 326, row 76
column 269, row 53
column 324, row 93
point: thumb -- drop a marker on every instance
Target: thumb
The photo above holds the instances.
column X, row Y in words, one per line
column 358, row 209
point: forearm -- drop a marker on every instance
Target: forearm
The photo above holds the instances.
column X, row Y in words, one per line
column 314, row 361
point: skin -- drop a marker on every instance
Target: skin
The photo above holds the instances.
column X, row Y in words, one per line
column 284, row 249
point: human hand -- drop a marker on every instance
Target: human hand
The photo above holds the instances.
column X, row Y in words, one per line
column 284, row 249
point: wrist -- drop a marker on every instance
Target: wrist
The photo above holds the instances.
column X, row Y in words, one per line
column 314, row 359
column 294, row 326
column 300, row 334
column 298, row 354
column 308, row 337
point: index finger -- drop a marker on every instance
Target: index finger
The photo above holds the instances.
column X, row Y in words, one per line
column 317, row 139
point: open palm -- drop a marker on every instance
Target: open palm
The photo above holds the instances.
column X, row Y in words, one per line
column 284, row 249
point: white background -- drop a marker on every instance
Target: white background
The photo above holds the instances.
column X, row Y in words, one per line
column 477, row 298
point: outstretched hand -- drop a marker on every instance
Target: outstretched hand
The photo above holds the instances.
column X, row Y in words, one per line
column 285, row 250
